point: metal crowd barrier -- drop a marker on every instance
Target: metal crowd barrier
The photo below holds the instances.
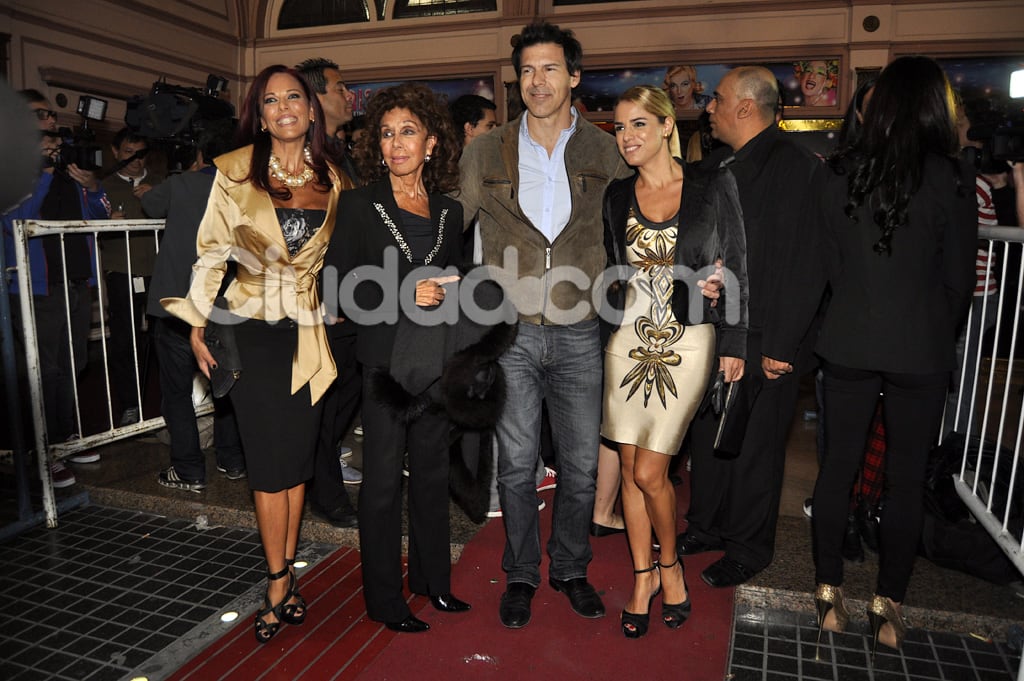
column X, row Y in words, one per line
column 991, row 477
column 29, row 229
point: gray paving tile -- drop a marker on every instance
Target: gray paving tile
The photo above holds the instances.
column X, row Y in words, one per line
column 777, row 644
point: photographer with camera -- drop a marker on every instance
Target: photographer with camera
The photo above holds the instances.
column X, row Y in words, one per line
column 125, row 186
column 63, row 191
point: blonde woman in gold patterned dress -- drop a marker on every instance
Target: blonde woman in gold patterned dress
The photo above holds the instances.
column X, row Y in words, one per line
column 667, row 231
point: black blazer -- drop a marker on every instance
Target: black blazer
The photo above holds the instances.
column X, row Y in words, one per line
column 900, row 312
column 361, row 237
column 710, row 227
column 181, row 199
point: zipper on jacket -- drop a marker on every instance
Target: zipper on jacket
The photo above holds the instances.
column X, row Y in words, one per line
column 547, row 258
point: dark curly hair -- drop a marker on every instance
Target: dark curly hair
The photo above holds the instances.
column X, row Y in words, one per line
column 441, row 173
column 909, row 118
column 249, row 132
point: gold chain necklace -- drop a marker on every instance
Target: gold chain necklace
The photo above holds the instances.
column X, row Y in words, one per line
column 286, row 178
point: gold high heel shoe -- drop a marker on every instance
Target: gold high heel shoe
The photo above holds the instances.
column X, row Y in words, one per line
column 882, row 612
column 828, row 598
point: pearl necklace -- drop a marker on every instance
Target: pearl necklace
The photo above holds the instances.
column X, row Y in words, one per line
column 286, row 178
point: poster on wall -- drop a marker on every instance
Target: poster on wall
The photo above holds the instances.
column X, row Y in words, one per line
column 982, row 77
column 812, row 84
column 451, row 89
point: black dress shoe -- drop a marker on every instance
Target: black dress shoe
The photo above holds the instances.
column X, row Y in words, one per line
column 410, row 625
column 688, row 545
column 597, row 530
column 449, row 603
column 342, row 516
column 726, row 572
column 582, row 596
column 515, row 605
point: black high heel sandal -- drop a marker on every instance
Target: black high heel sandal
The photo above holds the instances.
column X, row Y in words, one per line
column 293, row 613
column 266, row 630
column 634, row 625
column 674, row 614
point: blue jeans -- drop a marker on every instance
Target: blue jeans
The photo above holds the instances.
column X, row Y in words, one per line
column 562, row 364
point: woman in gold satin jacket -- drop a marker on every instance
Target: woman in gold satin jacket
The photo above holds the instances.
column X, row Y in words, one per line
column 272, row 212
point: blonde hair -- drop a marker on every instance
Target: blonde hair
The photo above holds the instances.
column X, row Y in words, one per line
column 694, row 150
column 653, row 100
column 691, row 71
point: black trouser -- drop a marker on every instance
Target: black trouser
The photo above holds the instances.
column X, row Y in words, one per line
column 380, row 509
column 56, row 347
column 912, row 407
column 121, row 296
column 340, row 404
column 177, row 368
column 736, row 501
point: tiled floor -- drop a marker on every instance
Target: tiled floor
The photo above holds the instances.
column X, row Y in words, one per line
column 111, row 591
column 775, row 645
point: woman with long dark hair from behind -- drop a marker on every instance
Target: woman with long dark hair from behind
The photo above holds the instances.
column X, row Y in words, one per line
column 272, row 210
column 900, row 230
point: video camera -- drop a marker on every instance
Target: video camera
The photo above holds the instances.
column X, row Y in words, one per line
column 1001, row 133
column 177, row 115
column 1002, row 141
column 79, row 146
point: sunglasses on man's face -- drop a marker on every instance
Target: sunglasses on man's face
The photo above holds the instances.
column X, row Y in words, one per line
column 43, row 114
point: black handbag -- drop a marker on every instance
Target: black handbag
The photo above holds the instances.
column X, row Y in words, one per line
column 220, row 340
column 731, row 404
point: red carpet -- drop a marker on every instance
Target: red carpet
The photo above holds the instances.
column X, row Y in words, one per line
column 338, row 642
column 557, row 644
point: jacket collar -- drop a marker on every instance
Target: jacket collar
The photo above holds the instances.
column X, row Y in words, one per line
column 757, row 150
column 257, row 205
column 381, row 193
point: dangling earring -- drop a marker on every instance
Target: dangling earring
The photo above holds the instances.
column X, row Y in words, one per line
column 384, row 163
column 426, row 159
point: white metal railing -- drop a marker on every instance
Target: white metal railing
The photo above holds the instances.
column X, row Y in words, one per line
column 990, row 414
column 24, row 230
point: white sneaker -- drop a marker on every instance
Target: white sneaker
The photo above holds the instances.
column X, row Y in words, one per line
column 350, row 475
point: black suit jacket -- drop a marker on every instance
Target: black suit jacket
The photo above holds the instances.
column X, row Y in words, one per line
column 181, row 199
column 710, row 227
column 362, row 238
column 900, row 312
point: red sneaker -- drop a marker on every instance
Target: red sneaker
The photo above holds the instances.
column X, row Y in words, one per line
column 550, row 480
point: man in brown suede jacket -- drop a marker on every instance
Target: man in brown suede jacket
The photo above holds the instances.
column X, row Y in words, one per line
column 536, row 185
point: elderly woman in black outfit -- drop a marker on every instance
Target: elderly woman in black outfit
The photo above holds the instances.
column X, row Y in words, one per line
column 900, row 228
column 272, row 210
column 402, row 217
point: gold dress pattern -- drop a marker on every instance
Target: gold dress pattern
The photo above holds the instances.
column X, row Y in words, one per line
column 655, row 374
